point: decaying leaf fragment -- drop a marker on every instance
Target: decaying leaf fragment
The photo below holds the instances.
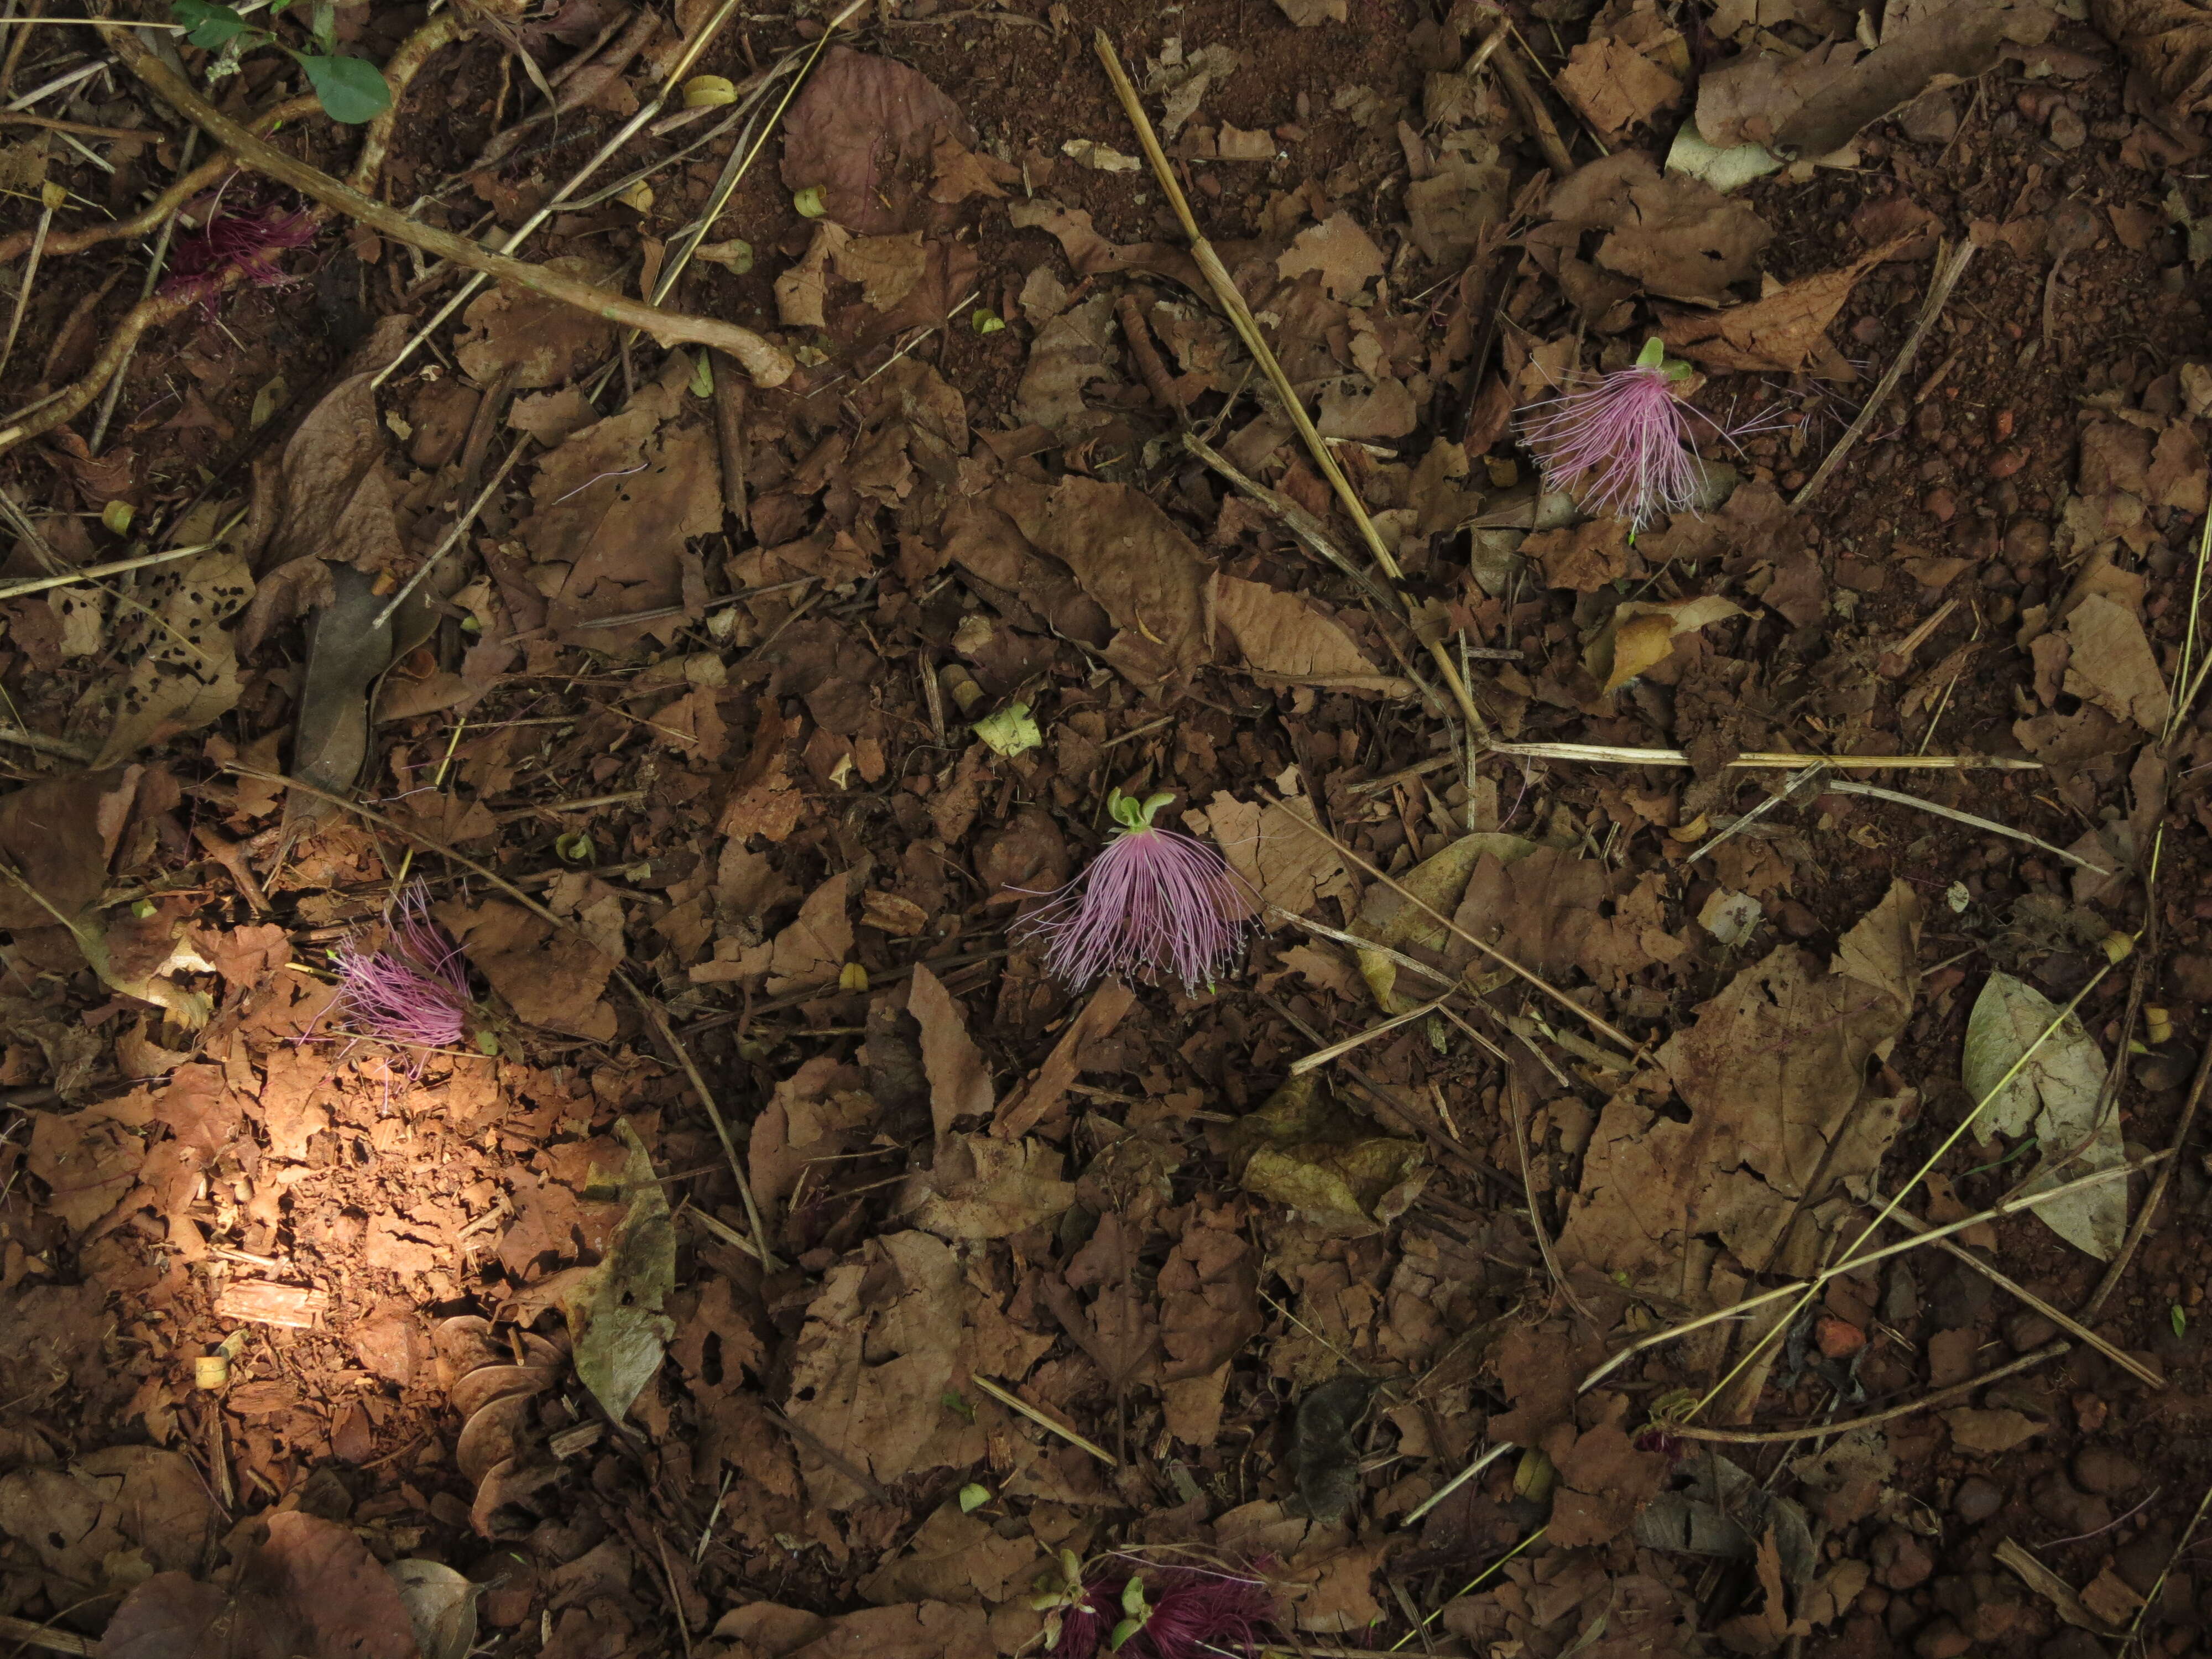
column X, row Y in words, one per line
column 2054, row 1096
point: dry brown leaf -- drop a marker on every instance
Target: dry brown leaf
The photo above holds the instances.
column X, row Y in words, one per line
column 1950, row 42
column 1783, row 332
column 1340, row 249
column 58, row 836
column 959, row 1078
column 886, row 268
column 1284, row 864
column 548, row 976
column 863, row 132
column 1616, row 87
column 980, row 1187
column 1284, row 636
column 1072, row 349
column 1149, row 576
column 2168, row 44
column 1639, row 635
column 802, row 290
column 812, row 951
column 1310, row 13
column 616, row 503
column 1093, row 1023
column 2111, row 663
column 542, row 342
column 339, row 494
column 182, row 667
column 1772, row 1076
column 1678, row 237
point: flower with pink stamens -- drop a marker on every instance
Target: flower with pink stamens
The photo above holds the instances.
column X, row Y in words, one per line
column 1620, row 442
column 244, row 242
column 1155, row 903
column 1163, row 1612
column 414, row 987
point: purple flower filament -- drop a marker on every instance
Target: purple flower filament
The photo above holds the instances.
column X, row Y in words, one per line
column 1165, row 1612
column 1154, row 902
column 1624, row 439
column 413, row 988
column 241, row 242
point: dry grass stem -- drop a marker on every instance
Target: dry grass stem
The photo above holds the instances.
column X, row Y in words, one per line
column 1516, row 1108
column 2011, row 1287
column 1597, row 1022
column 51, row 1639
column 459, row 528
column 2156, row 1196
column 1232, row 304
column 1845, row 1426
column 1851, row 1262
column 1898, row 798
column 1321, row 1057
column 1949, row 267
column 1014, row 1402
column 17, row 589
column 1414, row 1515
column 765, row 362
column 1764, row 760
column 60, row 748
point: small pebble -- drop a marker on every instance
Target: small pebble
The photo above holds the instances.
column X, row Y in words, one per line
column 1976, row 1499
column 2105, row 1472
column 2024, row 1331
column 2006, row 462
column 1942, row 504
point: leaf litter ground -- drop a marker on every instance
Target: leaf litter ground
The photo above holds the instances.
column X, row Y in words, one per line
column 764, row 718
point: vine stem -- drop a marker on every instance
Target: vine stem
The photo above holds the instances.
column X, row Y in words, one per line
column 765, row 362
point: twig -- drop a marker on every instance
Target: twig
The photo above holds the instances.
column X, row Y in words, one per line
column 1013, row 1401
column 1517, row 1108
column 184, row 190
column 45, row 744
column 1947, row 271
column 156, row 260
column 46, row 1635
column 1300, row 523
column 454, row 532
column 1456, row 1482
column 1796, row 789
column 1523, row 93
column 1812, row 1431
column 1845, row 786
column 2057, row 1316
column 1321, row 1057
column 2166, row 1571
column 1762, row 760
column 765, row 362
column 1231, row 301
column 652, row 1010
column 22, row 584
column 30, row 271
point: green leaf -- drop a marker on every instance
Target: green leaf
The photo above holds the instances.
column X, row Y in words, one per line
column 1123, row 1632
column 2180, row 1320
column 1133, row 1598
column 808, row 203
column 973, row 1497
column 352, row 89
column 574, row 848
column 1009, row 731
column 210, row 25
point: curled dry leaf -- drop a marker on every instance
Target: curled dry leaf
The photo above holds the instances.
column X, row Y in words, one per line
column 183, row 669
column 2168, row 44
column 1786, row 330
column 1675, row 236
column 1639, row 635
column 1309, row 1154
column 1285, row 637
column 548, row 975
column 619, row 1332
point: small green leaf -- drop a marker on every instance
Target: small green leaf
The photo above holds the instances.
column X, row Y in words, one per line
column 352, row 89
column 702, row 376
column 953, row 1401
column 973, row 1497
column 809, row 203
column 1653, row 353
column 116, row 515
column 1133, row 1598
column 210, row 25
column 574, row 848
column 987, row 322
column 2180, row 1320
column 143, row 909
column 1009, row 731
column 1123, row 1632
column 487, row 1043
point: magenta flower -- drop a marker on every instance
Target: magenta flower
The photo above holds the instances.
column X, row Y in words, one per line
column 1154, row 902
column 1163, row 1612
column 244, row 242
column 1620, row 442
column 414, row 987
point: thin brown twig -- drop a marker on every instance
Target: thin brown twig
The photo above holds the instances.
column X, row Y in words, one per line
column 2156, row 1196
column 1516, row 1106
column 765, row 362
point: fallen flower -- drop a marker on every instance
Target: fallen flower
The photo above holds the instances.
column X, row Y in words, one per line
column 1163, row 1612
column 1154, row 902
column 243, row 242
column 1624, row 437
column 413, row 988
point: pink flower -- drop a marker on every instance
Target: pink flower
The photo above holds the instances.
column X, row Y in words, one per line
column 1154, row 902
column 1163, row 1612
column 243, row 242
column 1619, row 442
column 413, row 988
